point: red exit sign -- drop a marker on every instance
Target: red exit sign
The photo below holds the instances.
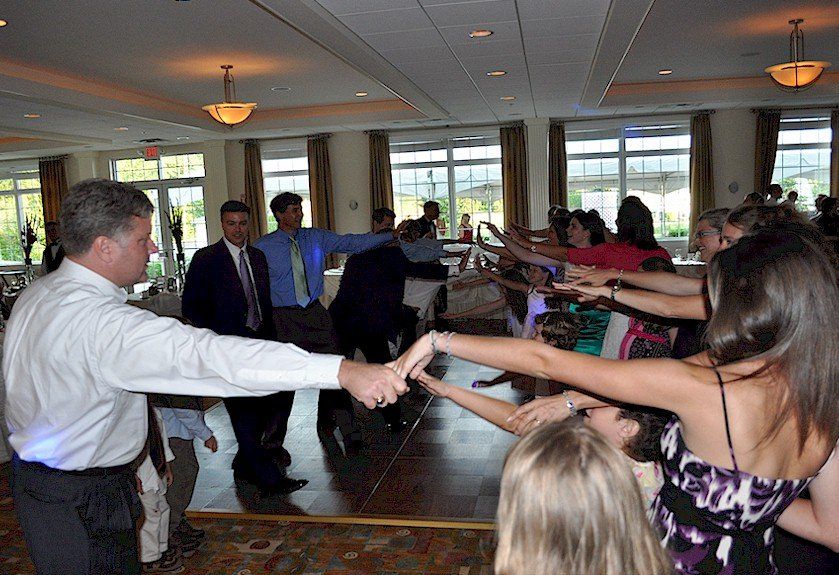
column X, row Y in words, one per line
column 151, row 152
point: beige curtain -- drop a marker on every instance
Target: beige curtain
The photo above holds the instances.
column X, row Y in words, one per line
column 701, row 168
column 254, row 196
column 320, row 182
column 514, row 174
column 834, row 154
column 381, row 179
column 53, row 186
column 766, row 145
column 557, row 165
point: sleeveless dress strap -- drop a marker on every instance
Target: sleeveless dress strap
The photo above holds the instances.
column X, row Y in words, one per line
column 725, row 414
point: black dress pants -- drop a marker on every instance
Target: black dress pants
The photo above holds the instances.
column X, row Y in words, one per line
column 77, row 524
column 311, row 329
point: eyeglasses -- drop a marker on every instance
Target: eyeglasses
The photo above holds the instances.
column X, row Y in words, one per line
column 705, row 234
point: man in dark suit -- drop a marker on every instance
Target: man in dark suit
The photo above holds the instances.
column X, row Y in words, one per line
column 428, row 220
column 227, row 291
column 54, row 252
column 368, row 311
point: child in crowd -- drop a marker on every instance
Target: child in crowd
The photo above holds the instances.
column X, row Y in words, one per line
column 153, row 478
column 645, row 337
column 568, row 504
column 183, row 418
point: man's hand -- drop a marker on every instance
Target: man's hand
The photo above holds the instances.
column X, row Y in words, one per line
column 211, row 444
column 370, row 383
column 534, row 413
column 168, row 477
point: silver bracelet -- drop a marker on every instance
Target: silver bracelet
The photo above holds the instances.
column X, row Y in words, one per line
column 433, row 335
column 569, row 403
column 449, row 343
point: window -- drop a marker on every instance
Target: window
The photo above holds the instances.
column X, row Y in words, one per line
column 170, row 182
column 464, row 172
column 651, row 162
column 286, row 169
column 20, row 198
column 802, row 162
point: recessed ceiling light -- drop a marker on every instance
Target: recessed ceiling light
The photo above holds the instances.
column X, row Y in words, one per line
column 496, row 73
column 182, row 138
column 30, row 116
column 121, row 129
column 281, row 89
column 480, row 33
column 3, row 23
column 507, row 98
column 665, row 72
column 360, row 94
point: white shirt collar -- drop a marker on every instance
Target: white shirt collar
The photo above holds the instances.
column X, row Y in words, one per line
column 82, row 274
column 234, row 250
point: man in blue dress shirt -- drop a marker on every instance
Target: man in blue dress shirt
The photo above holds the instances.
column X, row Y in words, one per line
column 296, row 259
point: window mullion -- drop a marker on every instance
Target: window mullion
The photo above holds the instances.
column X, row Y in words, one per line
column 622, row 164
column 452, row 185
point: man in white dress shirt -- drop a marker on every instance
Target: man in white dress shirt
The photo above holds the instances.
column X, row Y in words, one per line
column 78, row 361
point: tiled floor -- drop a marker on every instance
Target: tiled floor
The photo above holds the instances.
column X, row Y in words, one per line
column 445, row 464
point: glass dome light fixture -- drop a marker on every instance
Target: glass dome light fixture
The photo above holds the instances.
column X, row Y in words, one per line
column 797, row 74
column 229, row 112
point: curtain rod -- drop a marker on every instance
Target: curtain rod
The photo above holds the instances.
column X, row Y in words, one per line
column 826, row 108
column 639, row 116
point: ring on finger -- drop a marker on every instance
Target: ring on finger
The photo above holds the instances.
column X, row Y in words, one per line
column 380, row 401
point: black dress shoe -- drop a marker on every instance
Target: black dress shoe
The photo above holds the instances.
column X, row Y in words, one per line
column 284, row 487
column 396, row 426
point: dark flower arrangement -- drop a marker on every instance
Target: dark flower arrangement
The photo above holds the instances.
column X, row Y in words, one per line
column 28, row 237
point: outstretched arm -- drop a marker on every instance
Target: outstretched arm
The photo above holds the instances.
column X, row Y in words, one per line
column 509, row 284
column 673, row 385
column 817, row 519
column 477, row 310
column 493, row 410
column 662, row 305
column 520, row 253
column 663, row 282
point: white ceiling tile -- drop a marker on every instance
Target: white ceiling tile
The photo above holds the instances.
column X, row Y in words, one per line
column 467, row 51
column 472, row 13
column 540, row 9
column 407, row 55
column 388, row 20
column 560, row 57
column 559, row 43
column 406, row 39
column 571, row 26
column 341, row 7
column 483, row 64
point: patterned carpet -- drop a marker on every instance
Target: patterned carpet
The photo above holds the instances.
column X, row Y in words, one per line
column 238, row 546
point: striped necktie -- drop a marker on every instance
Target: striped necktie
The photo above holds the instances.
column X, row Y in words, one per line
column 298, row 269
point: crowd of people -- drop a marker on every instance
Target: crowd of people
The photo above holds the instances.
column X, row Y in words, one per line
column 676, row 420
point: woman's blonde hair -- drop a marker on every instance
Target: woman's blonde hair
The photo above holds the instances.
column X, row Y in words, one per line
column 570, row 505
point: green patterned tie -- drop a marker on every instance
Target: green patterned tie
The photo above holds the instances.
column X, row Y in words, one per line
column 301, row 287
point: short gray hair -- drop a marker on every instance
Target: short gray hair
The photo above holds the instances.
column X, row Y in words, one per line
column 100, row 207
column 715, row 217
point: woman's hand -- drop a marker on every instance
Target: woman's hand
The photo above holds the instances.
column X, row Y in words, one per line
column 433, row 385
column 412, row 362
column 583, row 293
column 590, row 275
column 539, row 411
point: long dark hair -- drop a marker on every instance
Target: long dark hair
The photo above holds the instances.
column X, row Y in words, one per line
column 771, row 294
column 559, row 224
column 635, row 224
column 594, row 224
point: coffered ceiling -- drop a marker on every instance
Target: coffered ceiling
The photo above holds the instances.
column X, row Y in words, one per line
column 91, row 67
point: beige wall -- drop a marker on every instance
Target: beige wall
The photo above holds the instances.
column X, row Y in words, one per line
column 349, row 158
column 733, row 135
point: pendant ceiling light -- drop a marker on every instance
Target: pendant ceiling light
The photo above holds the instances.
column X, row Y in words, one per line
column 229, row 112
column 797, row 74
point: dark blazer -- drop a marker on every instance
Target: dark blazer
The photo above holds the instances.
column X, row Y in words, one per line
column 51, row 263
column 370, row 297
column 214, row 297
